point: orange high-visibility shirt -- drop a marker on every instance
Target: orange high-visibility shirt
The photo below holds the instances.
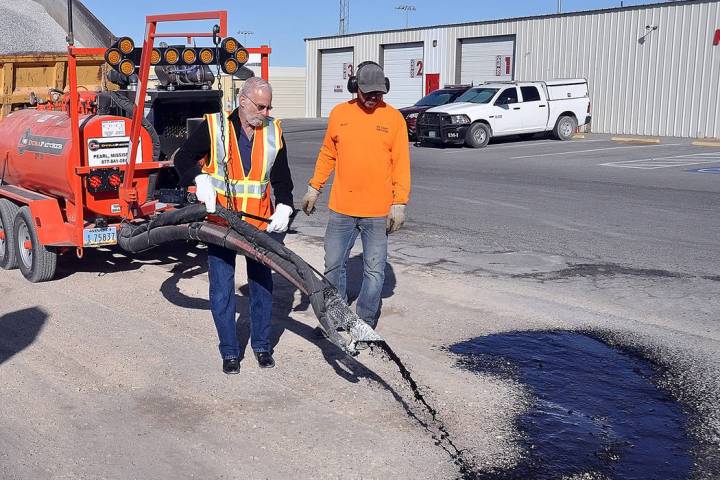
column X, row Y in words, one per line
column 370, row 155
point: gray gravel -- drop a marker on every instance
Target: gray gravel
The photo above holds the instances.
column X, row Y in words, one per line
column 25, row 27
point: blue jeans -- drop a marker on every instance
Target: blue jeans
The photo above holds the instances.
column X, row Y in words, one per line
column 342, row 231
column 221, row 271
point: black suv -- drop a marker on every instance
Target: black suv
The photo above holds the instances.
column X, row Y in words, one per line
column 433, row 99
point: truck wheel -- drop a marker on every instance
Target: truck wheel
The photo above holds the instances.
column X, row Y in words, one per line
column 37, row 263
column 8, row 212
column 478, row 135
column 565, row 128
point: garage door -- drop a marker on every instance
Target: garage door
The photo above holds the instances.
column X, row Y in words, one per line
column 335, row 67
column 403, row 65
column 486, row 59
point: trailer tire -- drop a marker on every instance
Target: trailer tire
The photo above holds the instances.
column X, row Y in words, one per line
column 8, row 212
column 37, row 263
column 565, row 128
column 478, row 135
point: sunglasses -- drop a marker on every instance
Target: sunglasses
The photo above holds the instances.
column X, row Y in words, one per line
column 260, row 108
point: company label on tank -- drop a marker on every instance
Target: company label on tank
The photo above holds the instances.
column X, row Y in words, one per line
column 102, row 152
column 40, row 144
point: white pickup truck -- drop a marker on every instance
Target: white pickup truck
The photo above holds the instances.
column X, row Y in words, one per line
column 497, row 109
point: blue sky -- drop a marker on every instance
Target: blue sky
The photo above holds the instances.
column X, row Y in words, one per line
column 285, row 23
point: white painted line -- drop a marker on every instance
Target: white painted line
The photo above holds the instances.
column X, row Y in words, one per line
column 596, row 150
column 665, row 162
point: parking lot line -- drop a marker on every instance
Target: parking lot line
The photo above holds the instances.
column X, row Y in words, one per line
column 594, row 150
column 683, row 160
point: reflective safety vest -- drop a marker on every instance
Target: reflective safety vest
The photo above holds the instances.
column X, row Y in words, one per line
column 251, row 193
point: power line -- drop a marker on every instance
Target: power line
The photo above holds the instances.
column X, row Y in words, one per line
column 407, row 9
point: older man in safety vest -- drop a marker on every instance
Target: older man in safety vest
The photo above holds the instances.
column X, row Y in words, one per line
column 236, row 160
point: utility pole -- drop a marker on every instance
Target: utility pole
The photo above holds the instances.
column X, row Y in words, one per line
column 344, row 24
column 559, row 6
column 407, row 9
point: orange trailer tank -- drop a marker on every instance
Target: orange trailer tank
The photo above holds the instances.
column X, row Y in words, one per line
column 35, row 151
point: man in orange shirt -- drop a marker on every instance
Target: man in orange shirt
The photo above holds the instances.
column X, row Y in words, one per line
column 366, row 144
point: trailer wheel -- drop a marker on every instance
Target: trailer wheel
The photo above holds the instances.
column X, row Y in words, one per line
column 565, row 128
column 8, row 212
column 478, row 135
column 37, row 263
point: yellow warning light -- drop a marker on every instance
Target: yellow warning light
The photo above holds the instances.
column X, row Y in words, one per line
column 230, row 45
column 113, row 56
column 230, row 66
column 127, row 67
column 155, row 56
column 241, row 55
column 126, row 45
column 189, row 56
column 206, row 55
column 172, row 56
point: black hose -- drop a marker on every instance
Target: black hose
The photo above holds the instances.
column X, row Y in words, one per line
column 129, row 108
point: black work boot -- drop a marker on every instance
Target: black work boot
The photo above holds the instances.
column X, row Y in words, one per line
column 265, row 359
column 231, row 365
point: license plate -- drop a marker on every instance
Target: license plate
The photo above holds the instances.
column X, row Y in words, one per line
column 96, row 237
column 453, row 134
column 432, row 133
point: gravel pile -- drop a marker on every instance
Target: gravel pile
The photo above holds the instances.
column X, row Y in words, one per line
column 25, row 27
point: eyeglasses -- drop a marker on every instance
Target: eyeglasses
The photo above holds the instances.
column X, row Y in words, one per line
column 260, row 108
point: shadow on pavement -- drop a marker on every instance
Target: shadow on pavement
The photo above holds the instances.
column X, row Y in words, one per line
column 18, row 330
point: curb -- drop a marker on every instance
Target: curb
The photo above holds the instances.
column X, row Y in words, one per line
column 700, row 143
column 636, row 139
column 578, row 136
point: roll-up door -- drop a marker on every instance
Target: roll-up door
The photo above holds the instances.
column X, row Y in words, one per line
column 486, row 59
column 404, row 65
column 335, row 68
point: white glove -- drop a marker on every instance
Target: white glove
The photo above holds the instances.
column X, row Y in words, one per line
column 280, row 219
column 396, row 218
column 205, row 192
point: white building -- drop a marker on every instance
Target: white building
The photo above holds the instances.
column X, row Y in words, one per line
column 652, row 69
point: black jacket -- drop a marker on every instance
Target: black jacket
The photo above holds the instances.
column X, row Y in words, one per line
column 198, row 145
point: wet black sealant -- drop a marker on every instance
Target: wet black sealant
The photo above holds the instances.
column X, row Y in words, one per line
column 433, row 425
column 595, row 409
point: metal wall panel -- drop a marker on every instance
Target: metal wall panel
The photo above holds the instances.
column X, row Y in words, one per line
column 662, row 83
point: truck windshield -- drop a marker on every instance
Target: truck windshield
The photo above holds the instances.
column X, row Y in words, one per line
column 478, row 95
column 434, row 99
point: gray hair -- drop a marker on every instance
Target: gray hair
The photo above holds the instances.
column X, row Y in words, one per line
column 254, row 83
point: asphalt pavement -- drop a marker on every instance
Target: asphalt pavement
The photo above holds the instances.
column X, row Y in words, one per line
column 111, row 371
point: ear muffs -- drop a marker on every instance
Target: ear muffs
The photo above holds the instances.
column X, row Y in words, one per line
column 352, row 85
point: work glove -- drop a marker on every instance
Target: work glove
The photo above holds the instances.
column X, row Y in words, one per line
column 309, row 200
column 395, row 218
column 280, row 219
column 205, row 192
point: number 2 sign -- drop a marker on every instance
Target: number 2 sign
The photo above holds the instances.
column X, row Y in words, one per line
column 416, row 68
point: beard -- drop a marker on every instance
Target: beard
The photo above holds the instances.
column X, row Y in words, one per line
column 256, row 120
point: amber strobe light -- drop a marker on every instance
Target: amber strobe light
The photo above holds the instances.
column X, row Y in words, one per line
column 230, row 66
column 113, row 56
column 172, row 56
column 127, row 67
column 229, row 44
column 155, row 56
column 126, row 45
column 241, row 56
column 189, row 56
column 206, row 55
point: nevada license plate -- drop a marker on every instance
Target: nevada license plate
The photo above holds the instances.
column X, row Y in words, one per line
column 96, row 237
column 432, row 133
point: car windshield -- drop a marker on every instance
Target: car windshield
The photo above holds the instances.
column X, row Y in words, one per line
column 435, row 99
column 478, row 95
